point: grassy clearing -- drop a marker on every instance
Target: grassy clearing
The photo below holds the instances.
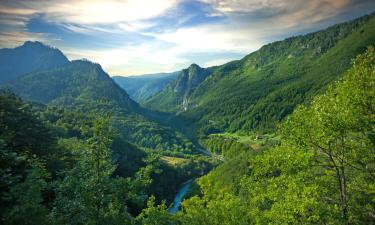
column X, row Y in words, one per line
column 255, row 141
column 174, row 161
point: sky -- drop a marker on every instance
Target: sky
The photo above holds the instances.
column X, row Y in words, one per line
column 133, row 37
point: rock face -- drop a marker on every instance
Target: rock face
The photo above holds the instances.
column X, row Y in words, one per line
column 28, row 58
column 189, row 79
column 193, row 77
column 176, row 95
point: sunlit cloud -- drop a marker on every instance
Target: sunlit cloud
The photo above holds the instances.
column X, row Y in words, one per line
column 142, row 36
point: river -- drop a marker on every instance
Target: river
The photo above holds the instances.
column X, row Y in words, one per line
column 180, row 196
column 185, row 186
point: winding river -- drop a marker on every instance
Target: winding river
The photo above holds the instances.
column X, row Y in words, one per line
column 186, row 186
column 180, row 196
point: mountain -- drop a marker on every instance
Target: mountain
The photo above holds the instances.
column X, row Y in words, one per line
column 30, row 57
column 265, row 86
column 141, row 87
column 84, row 85
column 76, row 81
column 175, row 97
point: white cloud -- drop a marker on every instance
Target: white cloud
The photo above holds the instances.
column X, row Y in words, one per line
column 276, row 5
column 212, row 37
column 287, row 12
column 8, row 39
column 102, row 12
column 245, row 5
column 90, row 14
column 132, row 60
column 247, row 26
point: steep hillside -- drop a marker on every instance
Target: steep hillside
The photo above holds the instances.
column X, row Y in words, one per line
column 175, row 97
column 30, row 57
column 76, row 81
column 140, row 88
column 262, row 88
column 84, row 85
column 325, row 152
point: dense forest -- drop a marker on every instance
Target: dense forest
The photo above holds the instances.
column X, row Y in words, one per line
column 285, row 135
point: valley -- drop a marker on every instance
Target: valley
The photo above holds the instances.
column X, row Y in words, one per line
column 284, row 135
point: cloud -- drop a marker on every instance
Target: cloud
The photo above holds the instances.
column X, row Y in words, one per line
column 132, row 37
column 274, row 6
column 90, row 11
column 187, row 13
column 17, row 38
column 290, row 12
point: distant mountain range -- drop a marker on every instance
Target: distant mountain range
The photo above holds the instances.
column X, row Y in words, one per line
column 140, row 88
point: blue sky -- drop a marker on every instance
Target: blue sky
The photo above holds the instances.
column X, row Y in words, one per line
column 133, row 37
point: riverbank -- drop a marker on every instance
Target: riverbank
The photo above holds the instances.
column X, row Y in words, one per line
column 183, row 190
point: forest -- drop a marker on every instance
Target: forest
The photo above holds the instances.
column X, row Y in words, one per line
column 285, row 135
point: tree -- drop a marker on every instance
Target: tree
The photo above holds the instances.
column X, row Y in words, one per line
column 322, row 172
column 339, row 128
column 25, row 144
column 155, row 215
column 89, row 194
column 27, row 197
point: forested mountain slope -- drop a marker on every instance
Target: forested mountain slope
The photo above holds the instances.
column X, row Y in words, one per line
column 84, row 85
column 67, row 157
column 30, row 57
column 321, row 173
column 175, row 97
column 140, row 88
column 76, row 81
column 265, row 86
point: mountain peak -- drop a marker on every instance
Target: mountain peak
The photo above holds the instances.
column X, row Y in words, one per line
column 30, row 57
column 194, row 65
column 35, row 45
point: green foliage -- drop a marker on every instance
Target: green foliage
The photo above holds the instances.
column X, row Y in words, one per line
column 72, row 139
column 227, row 147
column 71, row 84
column 151, row 135
column 224, row 210
column 342, row 140
column 81, row 87
column 165, row 179
column 20, row 129
column 23, row 174
column 155, row 215
column 89, row 187
column 175, row 97
column 60, row 165
column 258, row 91
column 26, row 197
column 322, row 172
